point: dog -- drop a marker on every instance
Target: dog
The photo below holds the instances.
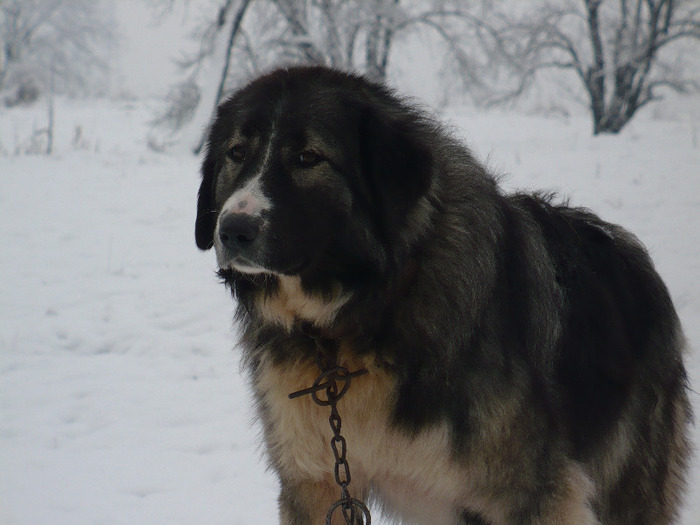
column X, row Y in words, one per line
column 521, row 360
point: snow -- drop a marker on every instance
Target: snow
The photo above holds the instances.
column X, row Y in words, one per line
column 121, row 399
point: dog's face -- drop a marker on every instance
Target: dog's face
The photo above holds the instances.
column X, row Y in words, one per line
column 282, row 184
column 301, row 178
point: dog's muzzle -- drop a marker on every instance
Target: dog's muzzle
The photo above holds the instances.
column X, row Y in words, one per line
column 238, row 242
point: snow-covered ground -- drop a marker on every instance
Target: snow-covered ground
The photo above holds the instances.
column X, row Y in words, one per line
column 121, row 400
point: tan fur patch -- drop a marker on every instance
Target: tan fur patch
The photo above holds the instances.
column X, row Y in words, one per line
column 291, row 303
column 411, row 471
column 314, row 498
column 570, row 505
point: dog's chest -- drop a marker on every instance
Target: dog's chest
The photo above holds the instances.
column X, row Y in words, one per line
column 398, row 466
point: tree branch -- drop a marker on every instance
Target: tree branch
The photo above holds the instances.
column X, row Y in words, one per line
column 235, row 27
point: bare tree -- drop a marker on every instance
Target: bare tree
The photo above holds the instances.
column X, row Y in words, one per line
column 331, row 32
column 185, row 97
column 620, row 51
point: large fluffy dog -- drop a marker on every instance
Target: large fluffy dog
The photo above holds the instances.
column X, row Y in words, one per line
column 524, row 360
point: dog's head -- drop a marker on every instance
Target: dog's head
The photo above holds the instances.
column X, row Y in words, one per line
column 310, row 171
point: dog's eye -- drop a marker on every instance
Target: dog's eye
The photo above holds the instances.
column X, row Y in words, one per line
column 237, row 153
column 308, row 159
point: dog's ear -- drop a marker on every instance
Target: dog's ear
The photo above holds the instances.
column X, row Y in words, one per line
column 206, row 209
column 396, row 163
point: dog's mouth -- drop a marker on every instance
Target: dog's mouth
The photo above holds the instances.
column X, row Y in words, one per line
column 242, row 265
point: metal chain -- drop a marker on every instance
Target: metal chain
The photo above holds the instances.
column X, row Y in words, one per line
column 353, row 510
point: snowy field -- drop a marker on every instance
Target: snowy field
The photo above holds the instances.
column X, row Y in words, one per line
column 121, row 400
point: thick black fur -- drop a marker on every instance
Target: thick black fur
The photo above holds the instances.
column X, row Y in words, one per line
column 470, row 297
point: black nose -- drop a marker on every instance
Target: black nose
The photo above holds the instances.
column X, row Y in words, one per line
column 238, row 231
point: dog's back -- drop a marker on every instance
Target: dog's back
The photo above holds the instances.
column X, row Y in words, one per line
column 619, row 370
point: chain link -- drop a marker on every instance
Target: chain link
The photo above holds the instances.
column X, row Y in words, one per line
column 354, row 511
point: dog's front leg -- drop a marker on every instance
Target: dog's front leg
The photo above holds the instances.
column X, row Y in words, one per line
column 307, row 503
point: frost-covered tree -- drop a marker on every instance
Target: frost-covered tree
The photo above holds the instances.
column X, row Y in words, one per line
column 58, row 45
column 622, row 52
column 243, row 37
column 50, row 47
